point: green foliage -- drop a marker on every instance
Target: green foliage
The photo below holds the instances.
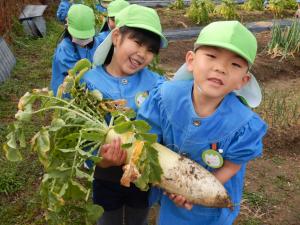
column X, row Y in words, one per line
column 10, row 182
column 199, row 11
column 177, row 4
column 280, row 109
column 255, row 199
column 285, row 42
column 277, row 7
column 154, row 66
column 282, row 182
column 227, row 9
column 252, row 221
column 253, row 5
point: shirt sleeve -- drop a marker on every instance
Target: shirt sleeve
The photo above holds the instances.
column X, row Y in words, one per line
column 246, row 144
column 150, row 111
column 63, row 60
column 62, row 10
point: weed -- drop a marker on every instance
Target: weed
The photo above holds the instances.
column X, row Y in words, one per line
column 154, row 66
column 282, row 182
column 255, row 199
column 178, row 4
column 253, row 5
column 285, row 42
column 10, row 182
column 277, row 160
column 280, row 109
column 277, row 7
column 252, row 221
column 227, row 9
column 199, row 11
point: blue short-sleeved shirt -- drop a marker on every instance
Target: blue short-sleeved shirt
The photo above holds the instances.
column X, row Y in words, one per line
column 65, row 57
column 233, row 126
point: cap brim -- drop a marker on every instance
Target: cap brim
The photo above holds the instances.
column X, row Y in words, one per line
column 250, row 92
column 102, row 50
column 81, row 34
column 163, row 39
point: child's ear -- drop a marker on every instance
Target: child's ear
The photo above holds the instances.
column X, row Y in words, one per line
column 115, row 36
column 189, row 60
column 245, row 79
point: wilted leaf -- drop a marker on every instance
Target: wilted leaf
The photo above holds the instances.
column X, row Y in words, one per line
column 12, row 154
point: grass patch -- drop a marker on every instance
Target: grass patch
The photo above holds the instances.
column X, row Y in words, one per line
column 255, row 199
column 282, row 182
column 252, row 221
column 19, row 200
column 280, row 108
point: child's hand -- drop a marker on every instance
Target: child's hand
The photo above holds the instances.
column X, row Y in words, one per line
column 180, row 201
column 112, row 154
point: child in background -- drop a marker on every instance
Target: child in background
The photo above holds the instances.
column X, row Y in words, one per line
column 112, row 10
column 62, row 10
column 102, row 6
column 121, row 73
column 65, row 5
column 205, row 119
column 79, row 41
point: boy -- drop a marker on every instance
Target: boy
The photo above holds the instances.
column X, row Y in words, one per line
column 205, row 119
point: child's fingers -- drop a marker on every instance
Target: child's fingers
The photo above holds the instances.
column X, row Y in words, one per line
column 180, row 201
column 123, row 156
column 188, row 205
column 104, row 149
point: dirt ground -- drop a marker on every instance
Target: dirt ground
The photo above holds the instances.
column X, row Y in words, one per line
column 272, row 186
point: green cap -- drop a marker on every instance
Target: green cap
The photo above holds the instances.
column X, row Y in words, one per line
column 81, row 21
column 231, row 35
column 132, row 16
column 141, row 17
column 115, row 7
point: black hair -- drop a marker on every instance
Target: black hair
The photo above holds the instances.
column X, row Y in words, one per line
column 147, row 38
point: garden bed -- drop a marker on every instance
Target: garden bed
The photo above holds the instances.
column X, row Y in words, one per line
column 175, row 19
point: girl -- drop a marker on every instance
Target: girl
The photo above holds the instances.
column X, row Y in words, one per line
column 205, row 119
column 121, row 73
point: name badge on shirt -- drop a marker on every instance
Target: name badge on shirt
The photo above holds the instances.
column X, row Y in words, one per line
column 212, row 158
column 140, row 97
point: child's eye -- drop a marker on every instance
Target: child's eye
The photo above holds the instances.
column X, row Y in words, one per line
column 138, row 42
column 210, row 55
column 236, row 65
column 151, row 50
